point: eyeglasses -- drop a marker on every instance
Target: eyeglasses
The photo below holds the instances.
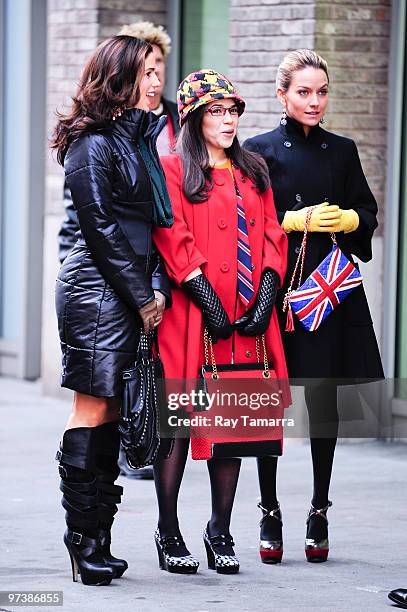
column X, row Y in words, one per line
column 220, row 111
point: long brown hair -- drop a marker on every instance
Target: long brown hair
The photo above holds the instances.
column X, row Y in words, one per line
column 110, row 80
column 197, row 180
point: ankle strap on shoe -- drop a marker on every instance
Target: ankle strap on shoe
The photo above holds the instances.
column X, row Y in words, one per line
column 169, row 540
column 319, row 511
column 275, row 513
column 223, row 539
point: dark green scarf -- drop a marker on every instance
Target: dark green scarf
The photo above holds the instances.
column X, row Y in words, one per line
column 162, row 211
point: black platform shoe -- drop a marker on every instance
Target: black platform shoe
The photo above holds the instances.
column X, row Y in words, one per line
column 399, row 596
column 173, row 555
column 216, row 548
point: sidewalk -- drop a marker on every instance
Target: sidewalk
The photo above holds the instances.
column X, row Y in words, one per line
column 368, row 525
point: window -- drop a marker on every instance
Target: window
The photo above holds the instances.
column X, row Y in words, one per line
column 205, row 35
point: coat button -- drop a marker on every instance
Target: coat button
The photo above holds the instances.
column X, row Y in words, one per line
column 297, row 250
column 324, row 145
column 248, row 353
column 224, row 266
column 253, row 266
column 287, row 144
column 252, row 221
column 222, row 223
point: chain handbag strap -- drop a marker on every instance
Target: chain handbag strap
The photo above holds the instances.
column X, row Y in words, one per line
column 208, row 346
column 266, row 371
column 210, row 355
column 300, row 259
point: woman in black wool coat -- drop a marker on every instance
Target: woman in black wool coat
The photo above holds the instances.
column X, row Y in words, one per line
column 110, row 286
column 310, row 166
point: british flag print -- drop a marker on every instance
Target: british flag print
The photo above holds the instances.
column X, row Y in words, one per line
column 329, row 284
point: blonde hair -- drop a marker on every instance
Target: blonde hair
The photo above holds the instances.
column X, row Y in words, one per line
column 298, row 60
column 146, row 30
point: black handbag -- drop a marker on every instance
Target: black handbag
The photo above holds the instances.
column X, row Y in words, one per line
column 144, row 404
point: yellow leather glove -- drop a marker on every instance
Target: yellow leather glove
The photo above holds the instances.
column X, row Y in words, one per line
column 349, row 221
column 324, row 218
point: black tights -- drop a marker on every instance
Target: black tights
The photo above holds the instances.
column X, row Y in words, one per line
column 168, row 473
column 323, row 426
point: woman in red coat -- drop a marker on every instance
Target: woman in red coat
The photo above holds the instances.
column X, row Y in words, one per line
column 226, row 256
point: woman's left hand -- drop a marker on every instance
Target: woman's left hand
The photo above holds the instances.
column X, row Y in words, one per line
column 160, row 299
column 257, row 319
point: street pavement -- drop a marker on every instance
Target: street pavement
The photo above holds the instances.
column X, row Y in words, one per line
column 368, row 524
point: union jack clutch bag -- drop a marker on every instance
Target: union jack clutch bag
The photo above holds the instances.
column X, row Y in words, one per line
column 328, row 285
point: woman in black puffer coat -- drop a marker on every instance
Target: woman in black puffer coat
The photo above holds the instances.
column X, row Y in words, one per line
column 111, row 284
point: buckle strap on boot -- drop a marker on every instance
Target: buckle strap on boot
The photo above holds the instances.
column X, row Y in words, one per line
column 80, row 539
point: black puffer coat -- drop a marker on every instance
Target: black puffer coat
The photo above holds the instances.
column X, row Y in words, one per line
column 114, row 267
column 70, row 225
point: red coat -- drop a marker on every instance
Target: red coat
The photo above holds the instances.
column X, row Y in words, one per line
column 205, row 235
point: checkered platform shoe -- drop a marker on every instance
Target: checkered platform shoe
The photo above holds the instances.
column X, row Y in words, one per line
column 223, row 564
column 169, row 560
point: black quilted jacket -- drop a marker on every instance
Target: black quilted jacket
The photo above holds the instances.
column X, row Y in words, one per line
column 113, row 267
column 112, row 197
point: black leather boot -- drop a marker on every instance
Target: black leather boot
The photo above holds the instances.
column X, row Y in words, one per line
column 81, row 502
column 107, row 444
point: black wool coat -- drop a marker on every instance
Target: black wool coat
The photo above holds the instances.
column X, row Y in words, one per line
column 306, row 171
column 113, row 268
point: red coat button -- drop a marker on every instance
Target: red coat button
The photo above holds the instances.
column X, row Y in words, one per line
column 222, row 223
column 248, row 354
column 224, row 266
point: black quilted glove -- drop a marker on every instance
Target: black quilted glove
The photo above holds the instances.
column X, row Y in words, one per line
column 257, row 319
column 214, row 315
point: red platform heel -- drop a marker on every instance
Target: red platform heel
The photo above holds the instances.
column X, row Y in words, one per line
column 317, row 551
column 271, row 551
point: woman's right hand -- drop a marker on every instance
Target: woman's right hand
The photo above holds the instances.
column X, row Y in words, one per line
column 214, row 315
column 148, row 314
column 325, row 218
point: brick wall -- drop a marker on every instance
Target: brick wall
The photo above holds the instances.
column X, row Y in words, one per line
column 354, row 38
column 115, row 13
column 261, row 32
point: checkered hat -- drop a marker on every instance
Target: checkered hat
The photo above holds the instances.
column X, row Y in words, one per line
column 201, row 87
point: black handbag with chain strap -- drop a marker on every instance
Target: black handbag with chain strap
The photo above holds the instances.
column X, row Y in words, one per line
column 144, row 404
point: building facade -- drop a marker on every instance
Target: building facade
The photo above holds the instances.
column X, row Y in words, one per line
column 48, row 42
